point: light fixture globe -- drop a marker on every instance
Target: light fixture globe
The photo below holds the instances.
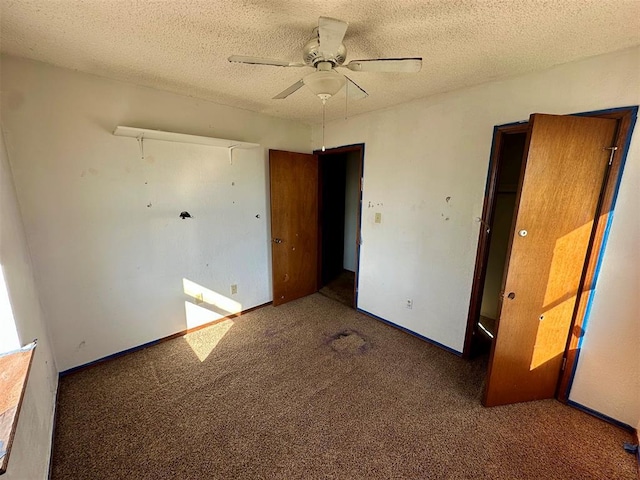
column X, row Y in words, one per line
column 324, row 83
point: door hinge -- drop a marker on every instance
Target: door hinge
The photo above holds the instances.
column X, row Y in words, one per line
column 613, row 152
column 362, row 184
column 564, row 363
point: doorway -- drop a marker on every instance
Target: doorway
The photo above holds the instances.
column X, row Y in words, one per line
column 569, row 174
column 340, row 173
column 316, row 203
column 498, row 229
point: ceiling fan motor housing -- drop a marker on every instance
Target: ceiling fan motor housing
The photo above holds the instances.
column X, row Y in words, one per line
column 311, row 53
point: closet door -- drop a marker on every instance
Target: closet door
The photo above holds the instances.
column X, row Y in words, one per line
column 565, row 166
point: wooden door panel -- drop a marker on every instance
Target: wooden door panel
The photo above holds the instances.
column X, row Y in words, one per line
column 564, row 171
column 294, row 224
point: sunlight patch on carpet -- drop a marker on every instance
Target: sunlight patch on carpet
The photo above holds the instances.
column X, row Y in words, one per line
column 202, row 342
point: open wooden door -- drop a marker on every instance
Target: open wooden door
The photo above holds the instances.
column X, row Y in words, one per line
column 566, row 162
column 294, row 224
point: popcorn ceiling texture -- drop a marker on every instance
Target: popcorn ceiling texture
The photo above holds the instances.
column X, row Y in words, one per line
column 182, row 45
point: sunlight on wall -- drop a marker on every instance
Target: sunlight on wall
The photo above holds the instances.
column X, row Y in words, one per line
column 8, row 334
column 219, row 302
column 209, row 307
column 197, row 315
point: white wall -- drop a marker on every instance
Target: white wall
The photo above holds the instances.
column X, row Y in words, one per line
column 29, row 458
column 110, row 267
column 351, row 200
column 419, row 153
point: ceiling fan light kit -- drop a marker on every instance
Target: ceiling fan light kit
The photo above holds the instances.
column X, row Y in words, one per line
column 325, row 82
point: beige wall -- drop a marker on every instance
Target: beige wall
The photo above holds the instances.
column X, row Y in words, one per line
column 110, row 251
column 420, row 153
column 29, row 458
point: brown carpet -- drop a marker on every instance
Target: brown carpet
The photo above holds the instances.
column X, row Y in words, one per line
column 341, row 288
column 314, row 390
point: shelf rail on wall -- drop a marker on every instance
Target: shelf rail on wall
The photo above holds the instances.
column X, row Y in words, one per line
column 141, row 134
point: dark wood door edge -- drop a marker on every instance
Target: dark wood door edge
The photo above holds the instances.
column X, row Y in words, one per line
column 358, row 224
column 482, row 252
column 319, row 226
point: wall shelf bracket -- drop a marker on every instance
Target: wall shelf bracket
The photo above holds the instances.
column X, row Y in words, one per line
column 142, row 134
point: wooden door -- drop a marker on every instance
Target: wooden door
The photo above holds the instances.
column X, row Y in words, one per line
column 294, row 224
column 564, row 171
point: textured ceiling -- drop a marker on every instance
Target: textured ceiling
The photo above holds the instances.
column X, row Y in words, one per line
column 183, row 45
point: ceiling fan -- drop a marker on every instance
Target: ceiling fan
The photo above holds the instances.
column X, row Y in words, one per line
column 325, row 52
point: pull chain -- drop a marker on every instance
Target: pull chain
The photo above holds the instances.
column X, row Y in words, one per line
column 324, row 105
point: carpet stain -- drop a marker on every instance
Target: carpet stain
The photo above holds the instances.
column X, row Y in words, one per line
column 348, row 341
column 271, row 332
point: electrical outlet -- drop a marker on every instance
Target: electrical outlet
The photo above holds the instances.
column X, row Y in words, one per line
column 409, row 304
column 234, row 289
column 378, row 217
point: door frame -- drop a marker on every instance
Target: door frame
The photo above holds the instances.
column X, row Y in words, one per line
column 356, row 147
column 626, row 118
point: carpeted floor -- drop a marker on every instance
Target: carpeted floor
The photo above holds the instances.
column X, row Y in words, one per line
column 341, row 288
column 314, row 390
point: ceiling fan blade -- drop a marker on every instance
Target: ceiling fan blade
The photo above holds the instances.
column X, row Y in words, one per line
column 355, row 91
column 263, row 61
column 330, row 33
column 290, row 90
column 405, row 65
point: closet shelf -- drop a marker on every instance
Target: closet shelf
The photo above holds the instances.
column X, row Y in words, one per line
column 148, row 134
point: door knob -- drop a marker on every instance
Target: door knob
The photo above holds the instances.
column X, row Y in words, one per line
column 277, row 240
